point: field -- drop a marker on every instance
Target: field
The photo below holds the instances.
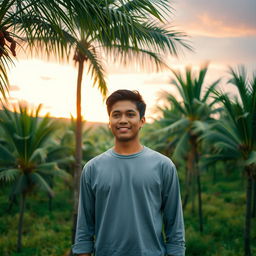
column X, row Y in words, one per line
column 48, row 232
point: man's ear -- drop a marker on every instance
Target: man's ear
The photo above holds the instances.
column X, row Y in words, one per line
column 143, row 121
column 109, row 125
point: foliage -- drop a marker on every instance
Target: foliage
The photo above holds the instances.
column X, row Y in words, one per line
column 189, row 116
column 49, row 233
column 234, row 134
column 24, row 156
column 30, row 21
column 234, row 137
column 24, row 150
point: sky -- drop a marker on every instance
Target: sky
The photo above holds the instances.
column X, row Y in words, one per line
column 222, row 33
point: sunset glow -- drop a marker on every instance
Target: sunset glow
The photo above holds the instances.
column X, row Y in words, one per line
column 218, row 34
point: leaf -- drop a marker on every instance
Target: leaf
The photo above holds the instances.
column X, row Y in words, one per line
column 39, row 155
column 5, row 155
column 251, row 159
column 182, row 147
column 200, row 126
column 9, row 175
column 41, row 183
column 180, row 124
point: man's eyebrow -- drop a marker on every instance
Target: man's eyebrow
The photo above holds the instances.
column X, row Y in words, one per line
column 119, row 111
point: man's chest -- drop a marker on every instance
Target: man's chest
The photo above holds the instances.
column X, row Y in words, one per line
column 122, row 177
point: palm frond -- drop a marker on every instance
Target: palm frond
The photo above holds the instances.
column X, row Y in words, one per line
column 6, row 157
column 9, row 175
column 251, row 159
column 96, row 69
column 181, row 148
column 41, row 183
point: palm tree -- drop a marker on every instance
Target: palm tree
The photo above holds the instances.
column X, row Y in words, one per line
column 23, row 155
column 184, row 122
column 234, row 136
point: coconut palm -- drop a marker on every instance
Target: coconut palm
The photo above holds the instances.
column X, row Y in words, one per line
column 23, row 155
column 184, row 122
column 234, row 136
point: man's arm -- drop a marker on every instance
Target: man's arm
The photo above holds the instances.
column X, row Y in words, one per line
column 85, row 230
column 172, row 212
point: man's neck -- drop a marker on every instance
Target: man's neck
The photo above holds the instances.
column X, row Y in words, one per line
column 127, row 147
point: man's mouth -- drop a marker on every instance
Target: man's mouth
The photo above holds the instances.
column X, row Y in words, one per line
column 123, row 129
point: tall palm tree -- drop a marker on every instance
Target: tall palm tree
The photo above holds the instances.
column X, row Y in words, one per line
column 234, row 136
column 184, row 122
column 23, row 155
column 39, row 24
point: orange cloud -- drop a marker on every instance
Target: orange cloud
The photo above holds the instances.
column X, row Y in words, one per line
column 208, row 26
column 14, row 88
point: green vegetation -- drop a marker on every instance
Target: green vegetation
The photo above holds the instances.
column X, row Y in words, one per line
column 27, row 161
column 32, row 153
column 216, row 157
column 76, row 30
column 48, row 233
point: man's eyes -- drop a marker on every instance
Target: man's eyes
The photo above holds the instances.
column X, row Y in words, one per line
column 128, row 114
column 131, row 114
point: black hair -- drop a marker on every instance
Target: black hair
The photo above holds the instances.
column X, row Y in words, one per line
column 123, row 94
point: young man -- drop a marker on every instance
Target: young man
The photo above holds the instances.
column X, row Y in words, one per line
column 129, row 192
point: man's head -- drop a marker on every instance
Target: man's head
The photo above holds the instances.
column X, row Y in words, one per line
column 121, row 95
column 126, row 110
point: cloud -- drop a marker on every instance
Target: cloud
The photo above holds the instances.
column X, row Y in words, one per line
column 208, row 26
column 46, row 78
column 14, row 88
column 157, row 78
column 229, row 18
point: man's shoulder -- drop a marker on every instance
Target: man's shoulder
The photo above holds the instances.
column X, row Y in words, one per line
column 103, row 156
column 155, row 155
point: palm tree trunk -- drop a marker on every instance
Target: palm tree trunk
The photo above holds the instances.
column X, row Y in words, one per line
column 78, row 150
column 193, row 192
column 50, row 203
column 187, row 187
column 190, row 181
column 12, row 201
column 200, row 209
column 247, row 230
column 254, row 199
column 198, row 182
column 20, row 225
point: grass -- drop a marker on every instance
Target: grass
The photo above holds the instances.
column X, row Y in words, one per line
column 48, row 233
column 223, row 214
column 45, row 233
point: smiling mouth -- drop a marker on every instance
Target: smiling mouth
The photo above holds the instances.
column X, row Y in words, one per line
column 123, row 129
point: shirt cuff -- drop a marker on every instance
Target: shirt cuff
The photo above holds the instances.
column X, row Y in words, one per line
column 175, row 250
column 83, row 247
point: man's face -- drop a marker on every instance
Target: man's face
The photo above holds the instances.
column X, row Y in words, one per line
column 124, row 120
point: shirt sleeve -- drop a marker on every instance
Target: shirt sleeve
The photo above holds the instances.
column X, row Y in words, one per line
column 85, row 230
column 172, row 212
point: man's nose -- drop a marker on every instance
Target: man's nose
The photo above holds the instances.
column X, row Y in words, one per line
column 123, row 119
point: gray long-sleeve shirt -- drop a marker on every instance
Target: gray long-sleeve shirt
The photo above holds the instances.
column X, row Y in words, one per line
column 124, row 202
